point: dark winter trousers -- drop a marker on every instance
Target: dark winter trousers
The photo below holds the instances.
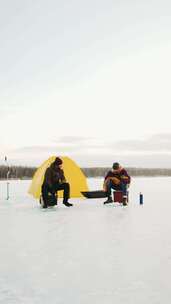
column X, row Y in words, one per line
column 121, row 187
column 56, row 187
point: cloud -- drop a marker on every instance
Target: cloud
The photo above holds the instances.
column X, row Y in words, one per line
column 72, row 139
column 45, row 149
column 162, row 137
column 85, row 146
column 154, row 151
column 155, row 143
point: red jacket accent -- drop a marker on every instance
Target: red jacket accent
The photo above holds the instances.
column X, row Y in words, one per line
column 121, row 174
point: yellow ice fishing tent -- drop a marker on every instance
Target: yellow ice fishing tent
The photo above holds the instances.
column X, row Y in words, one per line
column 73, row 175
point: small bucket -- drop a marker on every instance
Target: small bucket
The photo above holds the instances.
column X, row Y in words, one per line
column 118, row 196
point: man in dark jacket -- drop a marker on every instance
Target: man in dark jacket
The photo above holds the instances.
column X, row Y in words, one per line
column 54, row 180
column 117, row 179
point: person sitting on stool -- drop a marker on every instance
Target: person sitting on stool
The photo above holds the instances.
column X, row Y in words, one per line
column 117, row 179
column 54, row 180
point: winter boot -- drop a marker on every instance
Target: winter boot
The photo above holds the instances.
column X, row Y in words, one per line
column 42, row 202
column 109, row 200
column 67, row 204
column 124, row 201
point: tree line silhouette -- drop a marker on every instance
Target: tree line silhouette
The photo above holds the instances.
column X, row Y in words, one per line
column 99, row 171
column 21, row 172
column 16, row 172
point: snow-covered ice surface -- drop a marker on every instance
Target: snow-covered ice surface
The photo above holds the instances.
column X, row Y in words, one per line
column 90, row 253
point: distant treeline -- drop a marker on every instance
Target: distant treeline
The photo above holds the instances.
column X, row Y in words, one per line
column 16, row 172
column 95, row 172
column 20, row 172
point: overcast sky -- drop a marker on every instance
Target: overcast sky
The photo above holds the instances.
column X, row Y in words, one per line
column 87, row 79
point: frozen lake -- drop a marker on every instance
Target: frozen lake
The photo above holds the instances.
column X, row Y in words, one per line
column 87, row 254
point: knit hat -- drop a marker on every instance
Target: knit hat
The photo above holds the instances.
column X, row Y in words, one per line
column 58, row 161
column 115, row 166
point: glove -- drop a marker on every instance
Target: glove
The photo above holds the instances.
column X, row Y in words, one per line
column 115, row 180
column 124, row 177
